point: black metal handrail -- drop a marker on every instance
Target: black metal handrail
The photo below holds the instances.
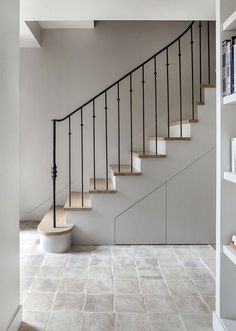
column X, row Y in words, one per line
column 126, row 75
column 129, row 75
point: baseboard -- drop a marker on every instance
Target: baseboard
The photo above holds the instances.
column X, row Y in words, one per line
column 223, row 324
column 216, row 322
column 16, row 320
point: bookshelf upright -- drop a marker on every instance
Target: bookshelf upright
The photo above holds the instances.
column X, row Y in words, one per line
column 224, row 317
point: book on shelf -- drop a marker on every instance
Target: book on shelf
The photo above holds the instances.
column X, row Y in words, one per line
column 232, row 245
column 229, row 66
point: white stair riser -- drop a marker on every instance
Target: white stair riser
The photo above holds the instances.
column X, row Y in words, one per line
column 175, row 131
column 161, row 146
column 55, row 244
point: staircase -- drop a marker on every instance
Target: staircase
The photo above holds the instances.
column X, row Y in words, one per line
column 129, row 205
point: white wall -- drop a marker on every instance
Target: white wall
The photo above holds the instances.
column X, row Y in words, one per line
column 9, row 139
column 70, row 68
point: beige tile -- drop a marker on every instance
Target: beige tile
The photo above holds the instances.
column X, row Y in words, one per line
column 78, row 260
column 28, row 271
column 160, row 304
column 180, row 287
column 99, row 272
column 126, row 261
column 129, row 303
column 121, row 250
column 99, row 303
column 68, row 301
column 34, row 320
column 75, row 271
column 26, row 283
column 66, row 321
column 132, row 322
column 205, row 287
column 56, row 259
column 126, row 286
column 44, row 285
column 39, row 301
column 175, row 273
column 165, row 322
column 192, row 263
column 210, row 301
column 197, row 323
column 101, row 261
column 143, row 251
column 98, row 322
column 36, row 260
column 149, row 272
column 146, row 262
column 72, row 285
column 154, row 286
column 97, row 286
column 124, row 272
column 191, row 305
column 50, row 271
column 169, row 262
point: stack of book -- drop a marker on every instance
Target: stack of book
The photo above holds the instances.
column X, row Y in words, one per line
column 229, row 66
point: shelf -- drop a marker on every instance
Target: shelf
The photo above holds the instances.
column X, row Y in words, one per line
column 230, row 23
column 230, row 176
column 229, row 99
column 230, row 253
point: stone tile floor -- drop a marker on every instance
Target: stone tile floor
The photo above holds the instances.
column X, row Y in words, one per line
column 122, row 288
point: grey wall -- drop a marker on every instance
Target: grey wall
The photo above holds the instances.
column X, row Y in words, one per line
column 71, row 67
column 9, row 140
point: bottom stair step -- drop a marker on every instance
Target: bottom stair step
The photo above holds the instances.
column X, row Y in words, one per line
column 76, row 202
column 46, row 225
column 125, row 170
column 101, row 186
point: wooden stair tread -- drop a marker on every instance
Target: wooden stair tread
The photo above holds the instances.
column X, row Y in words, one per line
column 183, row 122
column 125, row 170
column 208, row 86
column 148, row 155
column 101, row 186
column 46, row 225
column 170, row 138
column 76, row 202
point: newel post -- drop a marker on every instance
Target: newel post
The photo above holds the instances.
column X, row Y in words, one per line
column 54, row 174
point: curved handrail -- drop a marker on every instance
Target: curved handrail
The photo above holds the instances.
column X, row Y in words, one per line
column 126, row 75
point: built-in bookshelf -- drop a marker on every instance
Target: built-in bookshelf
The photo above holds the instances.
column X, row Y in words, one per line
column 230, row 23
column 230, row 176
column 230, row 99
column 224, row 317
column 230, row 253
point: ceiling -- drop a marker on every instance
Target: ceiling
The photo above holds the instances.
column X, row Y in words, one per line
column 36, row 15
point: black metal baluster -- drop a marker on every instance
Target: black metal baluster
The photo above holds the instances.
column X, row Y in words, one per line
column 155, row 79
column 106, row 140
column 69, row 136
column 200, row 58
column 168, row 90
column 118, row 123
column 208, row 53
column 82, row 155
column 94, row 147
column 180, row 91
column 54, row 174
column 192, row 73
column 143, row 90
column 131, row 122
